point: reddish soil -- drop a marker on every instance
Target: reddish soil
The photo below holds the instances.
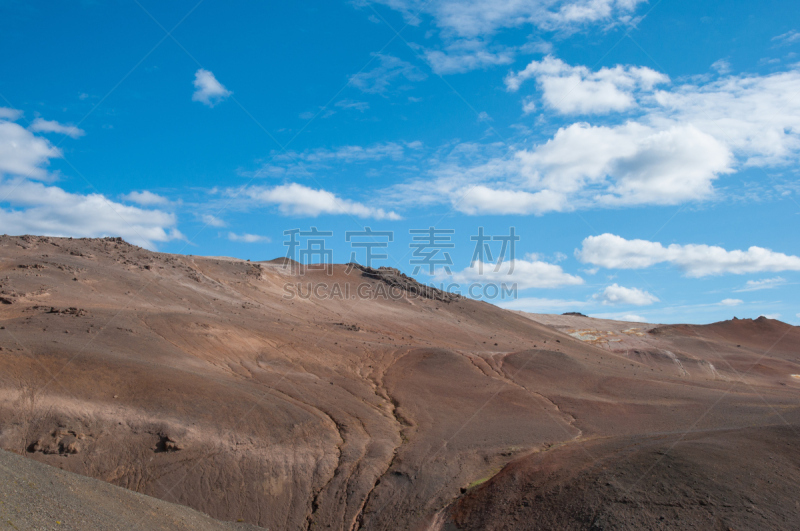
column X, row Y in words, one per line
column 195, row 380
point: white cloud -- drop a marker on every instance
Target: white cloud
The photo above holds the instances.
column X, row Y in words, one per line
column 731, row 302
column 581, row 166
column 756, row 117
column 23, row 153
column 633, row 163
column 573, row 12
column 633, row 318
column 528, row 105
column 482, row 18
column 466, row 55
column 292, row 164
column 207, row 89
column 51, row 211
column 772, row 315
column 35, row 208
column 299, row 200
column 538, row 305
column 467, row 27
column 524, row 273
column 789, row 37
column 477, row 200
column 349, row 154
column 578, row 90
column 618, row 316
column 616, row 294
column 611, row 251
column 682, row 142
column 247, row 238
column 346, row 104
column 9, row 114
column 391, row 69
column 722, row 66
column 212, row 221
column 51, row 126
column 146, row 198
column 766, row 283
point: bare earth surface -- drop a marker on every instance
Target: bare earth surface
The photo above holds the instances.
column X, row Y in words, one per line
column 198, row 382
column 38, row 497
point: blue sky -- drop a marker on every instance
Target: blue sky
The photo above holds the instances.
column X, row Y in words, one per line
column 646, row 153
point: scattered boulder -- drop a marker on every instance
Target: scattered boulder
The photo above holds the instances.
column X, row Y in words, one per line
column 167, row 444
column 395, row 279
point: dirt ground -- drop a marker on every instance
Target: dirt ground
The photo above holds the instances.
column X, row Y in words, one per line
column 220, row 385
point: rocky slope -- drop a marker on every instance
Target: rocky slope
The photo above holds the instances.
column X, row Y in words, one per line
column 371, row 403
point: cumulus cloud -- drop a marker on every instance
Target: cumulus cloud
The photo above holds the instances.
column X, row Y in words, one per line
column 524, row 273
column 51, row 126
column 9, row 114
column 296, row 199
column 682, row 141
column 731, row 302
column 632, row 318
column 212, row 221
column 22, row 153
column 611, row 251
column 36, row 208
column 247, row 238
column 208, row 90
column 390, row 69
column 579, row 90
column 757, row 117
column 539, row 305
column 480, row 199
column 146, row 198
column 635, row 164
column 766, row 283
column 583, row 166
column 52, row 211
column 616, row 294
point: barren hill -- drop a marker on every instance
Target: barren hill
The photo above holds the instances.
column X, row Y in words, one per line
column 371, row 402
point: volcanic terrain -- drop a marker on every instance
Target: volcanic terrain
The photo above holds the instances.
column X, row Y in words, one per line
column 378, row 403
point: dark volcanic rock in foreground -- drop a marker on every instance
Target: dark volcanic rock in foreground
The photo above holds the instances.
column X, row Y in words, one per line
column 718, row 479
column 222, row 385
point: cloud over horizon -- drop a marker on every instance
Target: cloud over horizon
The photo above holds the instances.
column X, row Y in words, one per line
column 616, row 294
column 695, row 260
column 525, row 274
column 52, row 211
